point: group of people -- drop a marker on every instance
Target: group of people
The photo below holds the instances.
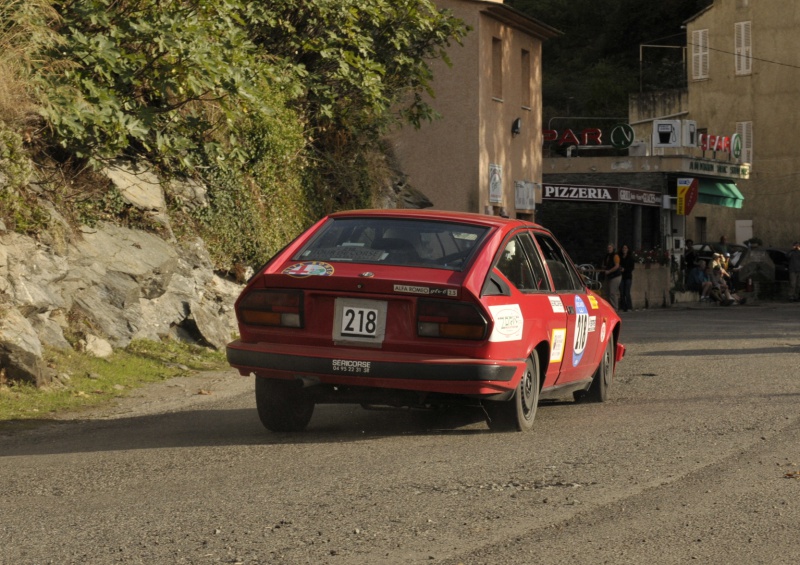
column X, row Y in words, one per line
column 715, row 280
column 617, row 271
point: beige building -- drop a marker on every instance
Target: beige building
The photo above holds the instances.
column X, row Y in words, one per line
column 744, row 76
column 485, row 153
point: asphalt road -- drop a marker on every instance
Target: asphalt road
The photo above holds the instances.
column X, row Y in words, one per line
column 695, row 458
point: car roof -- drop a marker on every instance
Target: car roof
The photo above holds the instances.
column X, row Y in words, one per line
column 438, row 215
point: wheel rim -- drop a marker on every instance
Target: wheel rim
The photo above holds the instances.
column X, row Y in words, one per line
column 608, row 373
column 526, row 387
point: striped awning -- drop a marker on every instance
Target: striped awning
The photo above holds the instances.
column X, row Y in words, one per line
column 719, row 193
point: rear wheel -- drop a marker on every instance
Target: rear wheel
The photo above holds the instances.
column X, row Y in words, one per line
column 283, row 406
column 598, row 391
column 518, row 413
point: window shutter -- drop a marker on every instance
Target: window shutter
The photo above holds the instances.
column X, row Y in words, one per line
column 700, row 54
column 743, row 48
column 745, row 129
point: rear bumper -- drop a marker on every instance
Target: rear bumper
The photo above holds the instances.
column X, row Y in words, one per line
column 380, row 369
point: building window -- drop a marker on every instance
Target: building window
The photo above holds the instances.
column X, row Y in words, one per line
column 525, row 77
column 743, row 48
column 497, row 69
column 745, row 129
column 700, row 54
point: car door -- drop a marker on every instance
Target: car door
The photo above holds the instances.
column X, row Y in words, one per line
column 525, row 293
column 574, row 345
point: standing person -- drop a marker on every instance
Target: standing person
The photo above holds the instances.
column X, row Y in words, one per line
column 689, row 260
column 612, row 272
column 626, row 265
column 794, row 272
column 690, row 255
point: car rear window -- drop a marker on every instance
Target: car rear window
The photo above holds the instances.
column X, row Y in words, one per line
column 395, row 241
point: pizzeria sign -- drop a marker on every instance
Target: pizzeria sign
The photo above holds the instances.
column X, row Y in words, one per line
column 586, row 193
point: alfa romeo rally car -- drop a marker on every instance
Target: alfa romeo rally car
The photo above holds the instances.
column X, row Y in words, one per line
column 421, row 308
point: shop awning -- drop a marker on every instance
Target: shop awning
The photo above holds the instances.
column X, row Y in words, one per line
column 719, row 193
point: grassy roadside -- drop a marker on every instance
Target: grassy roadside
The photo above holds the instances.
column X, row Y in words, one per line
column 84, row 381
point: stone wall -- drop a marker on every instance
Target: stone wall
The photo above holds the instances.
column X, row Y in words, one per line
column 651, row 287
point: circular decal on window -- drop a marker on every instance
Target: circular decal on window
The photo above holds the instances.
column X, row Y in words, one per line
column 309, row 269
column 581, row 331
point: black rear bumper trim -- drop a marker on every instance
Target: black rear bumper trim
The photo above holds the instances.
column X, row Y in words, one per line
column 298, row 364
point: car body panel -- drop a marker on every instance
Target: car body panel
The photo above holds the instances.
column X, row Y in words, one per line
column 706, row 251
column 780, row 259
column 364, row 308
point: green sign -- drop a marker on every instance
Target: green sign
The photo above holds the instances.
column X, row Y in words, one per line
column 736, row 146
column 621, row 136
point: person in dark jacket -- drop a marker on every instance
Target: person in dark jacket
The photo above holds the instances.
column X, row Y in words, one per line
column 794, row 272
column 612, row 276
column 626, row 265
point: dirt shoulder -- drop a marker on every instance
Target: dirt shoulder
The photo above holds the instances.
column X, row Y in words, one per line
column 170, row 395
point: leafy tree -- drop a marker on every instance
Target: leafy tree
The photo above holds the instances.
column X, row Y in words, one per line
column 358, row 60
column 276, row 105
column 147, row 77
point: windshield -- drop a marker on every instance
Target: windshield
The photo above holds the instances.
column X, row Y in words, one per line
column 395, row 241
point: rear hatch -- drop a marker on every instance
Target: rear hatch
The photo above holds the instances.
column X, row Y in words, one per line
column 377, row 283
column 409, row 310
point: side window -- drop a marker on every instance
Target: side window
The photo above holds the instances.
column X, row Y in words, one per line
column 564, row 276
column 535, row 261
column 514, row 265
column 521, row 265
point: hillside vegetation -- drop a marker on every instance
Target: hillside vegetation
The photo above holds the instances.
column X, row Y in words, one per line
column 277, row 107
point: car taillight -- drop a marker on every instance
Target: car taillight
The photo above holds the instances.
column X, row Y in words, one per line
column 457, row 320
column 272, row 308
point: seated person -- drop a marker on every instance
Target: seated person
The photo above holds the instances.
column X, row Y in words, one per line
column 698, row 280
column 719, row 288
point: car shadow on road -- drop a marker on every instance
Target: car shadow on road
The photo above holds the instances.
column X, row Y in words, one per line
column 228, row 427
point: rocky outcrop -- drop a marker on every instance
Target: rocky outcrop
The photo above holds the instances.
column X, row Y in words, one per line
column 98, row 288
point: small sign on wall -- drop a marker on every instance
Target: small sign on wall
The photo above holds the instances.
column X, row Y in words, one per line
column 667, row 133
column 495, row 184
column 524, row 195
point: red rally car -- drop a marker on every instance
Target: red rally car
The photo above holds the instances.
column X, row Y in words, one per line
column 422, row 308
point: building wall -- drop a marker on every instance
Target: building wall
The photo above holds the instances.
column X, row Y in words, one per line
column 448, row 159
column 519, row 156
column 768, row 97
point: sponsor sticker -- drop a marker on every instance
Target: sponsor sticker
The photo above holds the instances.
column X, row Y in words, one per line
column 309, row 269
column 593, row 302
column 592, row 323
column 350, row 366
column 581, row 331
column 556, row 304
column 508, row 322
column 425, row 290
column 557, row 343
column 603, row 332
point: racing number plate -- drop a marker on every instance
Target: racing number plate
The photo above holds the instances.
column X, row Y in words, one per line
column 361, row 321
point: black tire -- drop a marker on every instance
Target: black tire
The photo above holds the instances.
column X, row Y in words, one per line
column 601, row 381
column 283, row 406
column 518, row 413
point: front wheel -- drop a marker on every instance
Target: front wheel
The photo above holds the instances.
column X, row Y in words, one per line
column 283, row 406
column 518, row 413
column 601, row 381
